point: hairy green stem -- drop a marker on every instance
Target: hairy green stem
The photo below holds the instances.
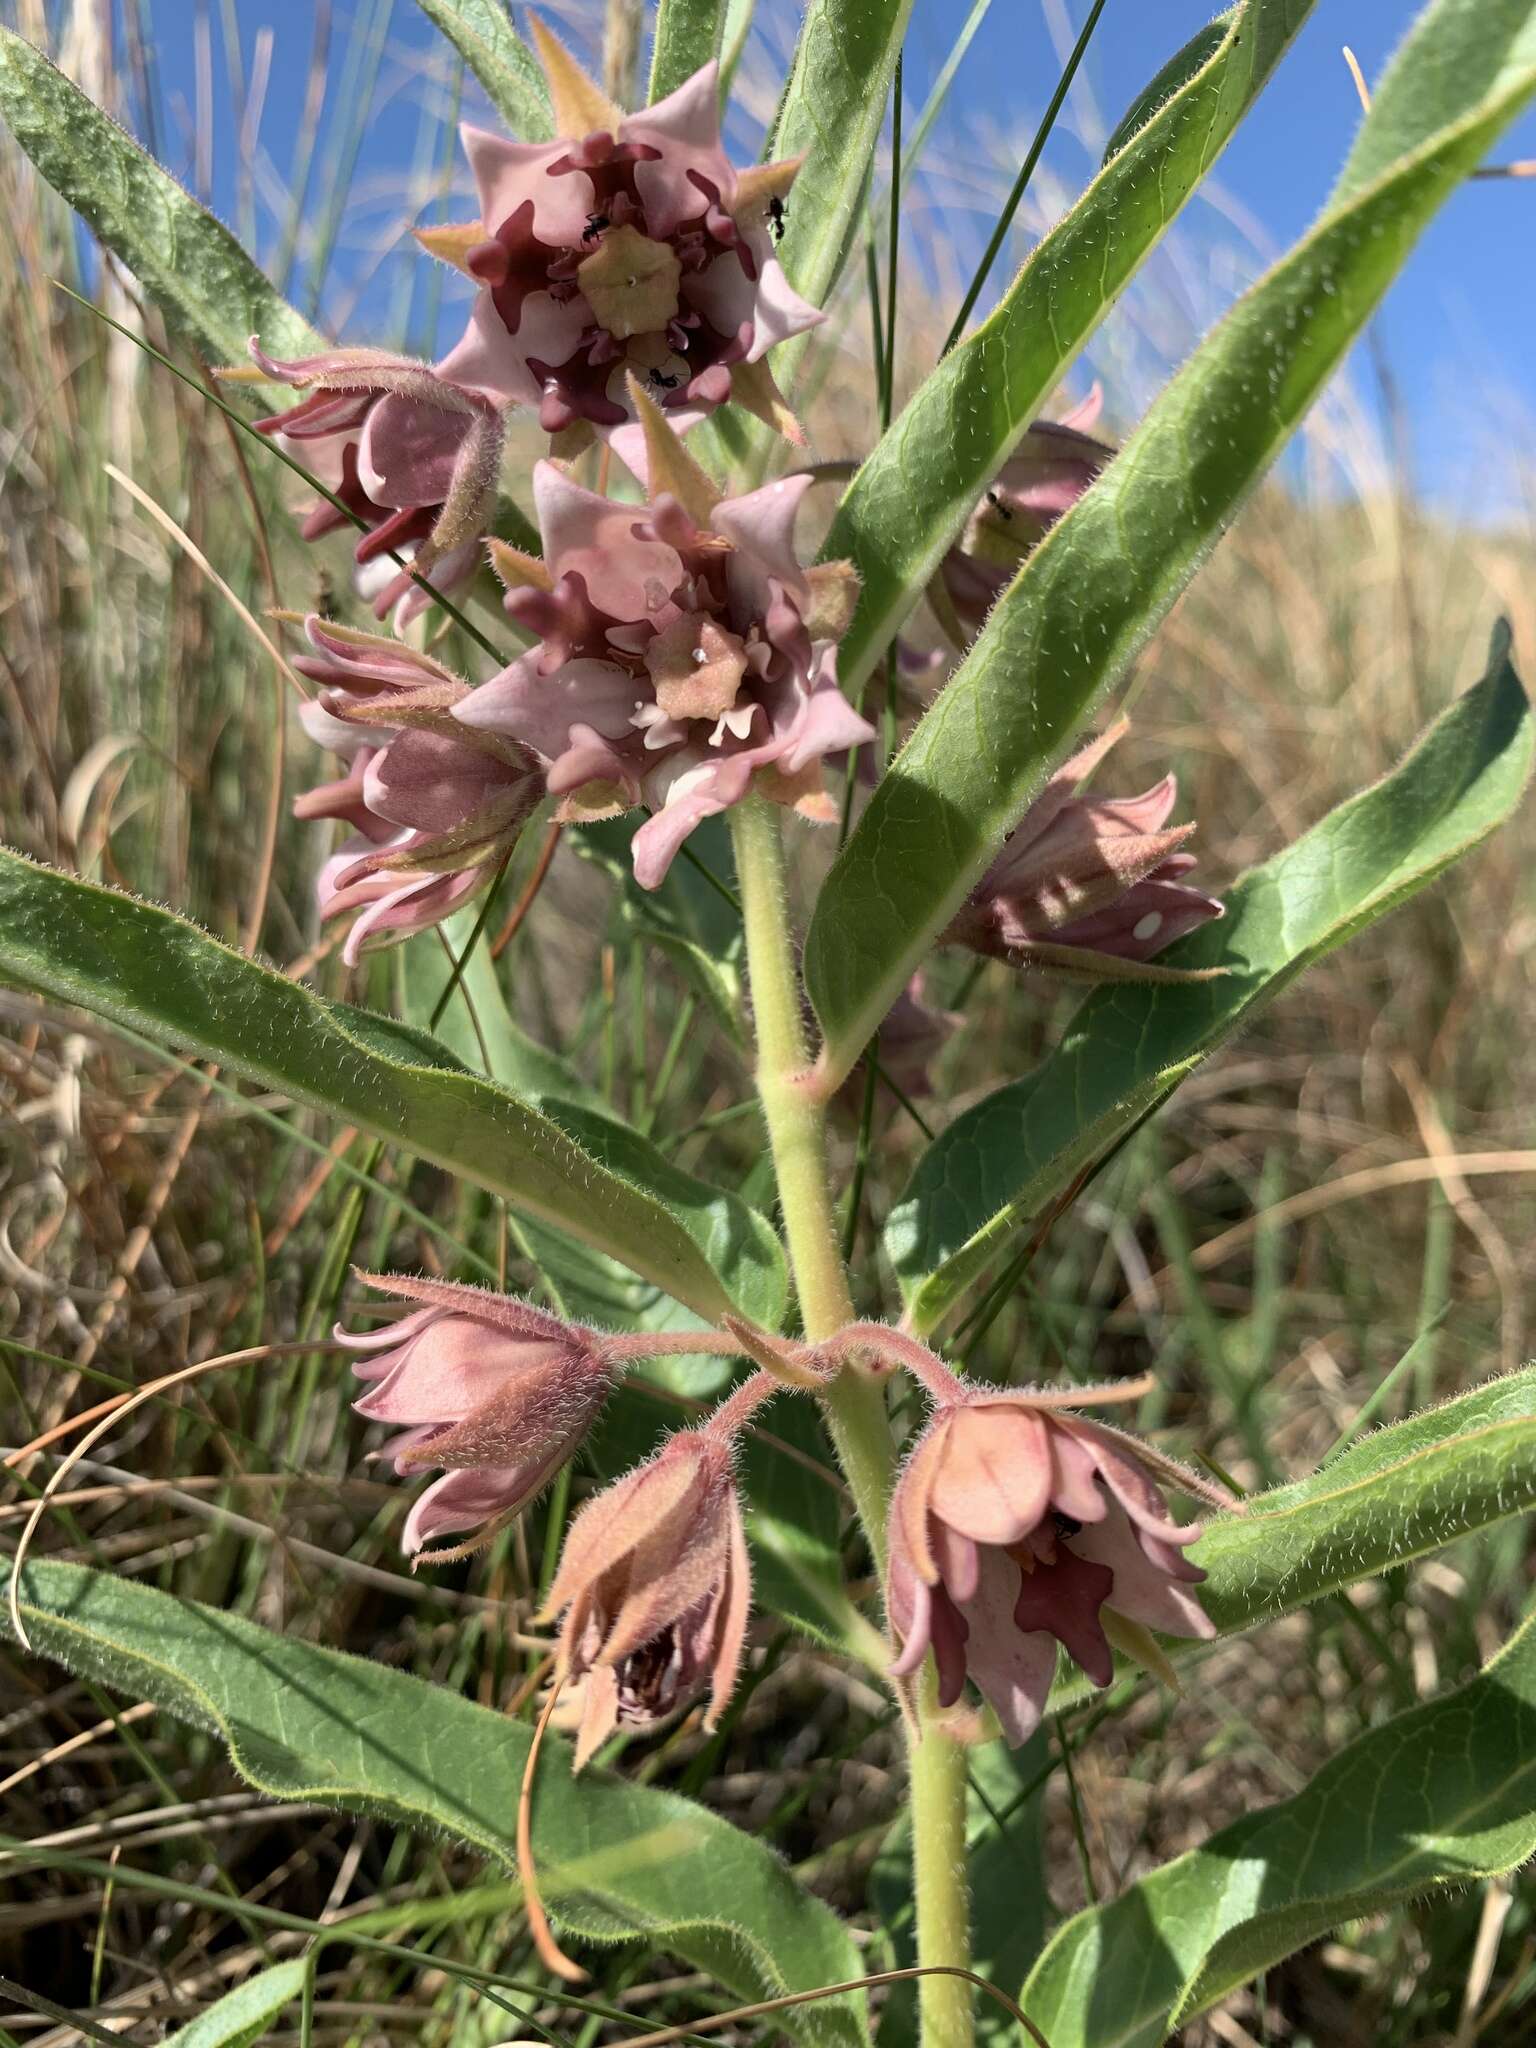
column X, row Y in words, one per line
column 941, row 1884
column 854, row 1405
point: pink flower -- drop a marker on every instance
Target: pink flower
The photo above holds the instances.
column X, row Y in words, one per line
column 408, row 451
column 655, row 1586
column 1051, row 468
column 1015, row 1527
column 1085, row 882
column 433, row 806
column 493, row 1390
column 687, row 656
column 630, row 243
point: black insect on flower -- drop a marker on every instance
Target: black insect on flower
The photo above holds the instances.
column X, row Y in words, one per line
column 660, row 381
column 1003, row 511
column 596, row 222
column 776, row 217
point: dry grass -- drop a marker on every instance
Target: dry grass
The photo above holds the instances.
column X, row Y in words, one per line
column 149, row 1216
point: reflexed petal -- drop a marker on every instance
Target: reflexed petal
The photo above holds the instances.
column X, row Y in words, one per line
column 993, row 1482
column 458, row 1501
column 1012, row 1671
column 1140, row 1590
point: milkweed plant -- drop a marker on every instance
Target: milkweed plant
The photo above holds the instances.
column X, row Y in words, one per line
column 578, row 605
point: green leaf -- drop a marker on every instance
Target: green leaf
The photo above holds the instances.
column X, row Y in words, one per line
column 145, row 967
column 737, row 1239
column 1130, row 1045
column 832, row 111
column 482, row 33
column 687, row 37
column 1393, row 1497
column 243, row 2016
column 187, row 261
column 1089, row 595
column 303, row 1723
column 1005, row 1860
column 916, row 491
column 1441, row 1795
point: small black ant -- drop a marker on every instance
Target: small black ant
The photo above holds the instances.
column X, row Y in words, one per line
column 776, row 217
column 662, row 382
column 596, row 222
column 1005, row 511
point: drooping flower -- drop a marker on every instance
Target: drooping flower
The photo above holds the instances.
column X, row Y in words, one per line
column 491, row 1389
column 1045, row 476
column 687, row 656
column 628, row 244
column 655, row 1586
column 1087, row 885
column 433, row 805
column 409, row 451
column 1016, row 1526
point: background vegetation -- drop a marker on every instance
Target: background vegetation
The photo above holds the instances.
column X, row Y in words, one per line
column 1347, row 1187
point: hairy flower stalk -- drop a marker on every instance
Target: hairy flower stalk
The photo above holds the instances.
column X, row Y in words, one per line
column 628, row 247
column 434, row 807
column 655, row 1583
column 1088, row 886
column 411, row 453
column 687, row 657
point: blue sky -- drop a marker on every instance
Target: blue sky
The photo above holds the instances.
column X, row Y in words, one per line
column 1454, row 338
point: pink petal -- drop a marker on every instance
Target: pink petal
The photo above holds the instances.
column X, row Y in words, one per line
column 1141, row 1592
column 1013, row 1671
column 779, row 311
column 762, row 525
column 462, row 1500
column 506, row 174
column 993, row 1481
column 541, row 710
column 685, row 129
column 592, row 537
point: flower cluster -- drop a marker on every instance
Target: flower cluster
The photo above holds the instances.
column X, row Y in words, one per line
column 1017, row 1525
column 686, row 655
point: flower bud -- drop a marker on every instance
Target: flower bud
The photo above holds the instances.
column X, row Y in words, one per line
column 655, row 1587
column 490, row 1388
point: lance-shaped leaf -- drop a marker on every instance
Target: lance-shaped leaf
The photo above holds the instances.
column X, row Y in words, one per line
column 247, row 2014
column 1130, row 1045
column 303, row 1723
column 482, row 33
column 1089, row 595
column 915, row 492
column 1393, row 1497
column 1441, row 1795
column 831, row 113
column 147, row 968
column 188, row 262
column 687, row 36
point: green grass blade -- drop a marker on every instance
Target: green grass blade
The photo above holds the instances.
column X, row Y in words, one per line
column 918, row 487
column 1090, row 594
column 160, row 974
column 482, row 33
column 832, row 111
column 615, row 1860
column 188, row 262
column 1439, row 1796
column 245, row 2015
column 1129, row 1046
